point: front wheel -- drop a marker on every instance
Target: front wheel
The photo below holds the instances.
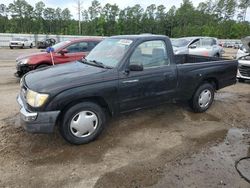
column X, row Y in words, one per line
column 31, row 45
column 202, row 98
column 82, row 123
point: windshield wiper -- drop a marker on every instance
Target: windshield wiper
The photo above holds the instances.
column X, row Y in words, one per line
column 100, row 64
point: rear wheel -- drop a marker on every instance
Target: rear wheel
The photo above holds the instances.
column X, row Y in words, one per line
column 31, row 45
column 82, row 123
column 202, row 98
column 11, row 47
column 22, row 46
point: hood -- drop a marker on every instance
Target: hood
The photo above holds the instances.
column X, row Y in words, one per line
column 16, row 41
column 30, row 55
column 180, row 50
column 62, row 77
column 246, row 43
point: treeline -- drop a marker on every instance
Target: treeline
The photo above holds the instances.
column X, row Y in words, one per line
column 218, row 18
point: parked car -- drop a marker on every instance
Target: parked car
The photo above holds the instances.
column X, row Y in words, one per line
column 205, row 46
column 20, row 43
column 243, row 57
column 121, row 74
column 228, row 45
column 63, row 52
column 43, row 44
column 237, row 45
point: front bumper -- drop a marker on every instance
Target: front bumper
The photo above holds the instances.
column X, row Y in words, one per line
column 243, row 73
column 16, row 45
column 22, row 69
column 37, row 122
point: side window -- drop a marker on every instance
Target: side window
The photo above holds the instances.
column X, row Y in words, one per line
column 150, row 54
column 92, row 45
column 73, row 48
column 207, row 42
column 214, row 42
column 83, row 47
column 197, row 43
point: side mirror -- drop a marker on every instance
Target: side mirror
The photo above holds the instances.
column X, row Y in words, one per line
column 64, row 51
column 136, row 67
column 192, row 46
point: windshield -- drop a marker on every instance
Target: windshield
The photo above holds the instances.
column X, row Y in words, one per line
column 180, row 42
column 59, row 45
column 18, row 39
column 109, row 52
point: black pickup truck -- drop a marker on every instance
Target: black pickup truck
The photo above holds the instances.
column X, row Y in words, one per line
column 121, row 74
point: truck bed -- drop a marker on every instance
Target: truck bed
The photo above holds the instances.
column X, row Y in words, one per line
column 186, row 58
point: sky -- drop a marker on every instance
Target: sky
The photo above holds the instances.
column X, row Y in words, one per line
column 72, row 4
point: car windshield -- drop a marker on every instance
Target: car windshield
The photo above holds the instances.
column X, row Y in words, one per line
column 180, row 42
column 18, row 39
column 109, row 52
column 60, row 44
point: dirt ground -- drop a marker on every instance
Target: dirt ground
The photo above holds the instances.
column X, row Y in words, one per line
column 168, row 146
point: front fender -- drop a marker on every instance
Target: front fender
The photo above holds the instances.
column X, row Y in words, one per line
column 105, row 92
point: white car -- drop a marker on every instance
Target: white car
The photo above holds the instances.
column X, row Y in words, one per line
column 243, row 56
column 204, row 46
column 20, row 43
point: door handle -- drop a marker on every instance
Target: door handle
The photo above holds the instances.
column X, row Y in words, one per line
column 130, row 81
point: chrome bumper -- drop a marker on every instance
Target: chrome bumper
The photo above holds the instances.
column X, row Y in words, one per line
column 25, row 115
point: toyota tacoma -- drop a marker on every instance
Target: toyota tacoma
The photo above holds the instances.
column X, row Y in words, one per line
column 121, row 74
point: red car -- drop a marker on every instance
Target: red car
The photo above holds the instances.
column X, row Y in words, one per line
column 63, row 52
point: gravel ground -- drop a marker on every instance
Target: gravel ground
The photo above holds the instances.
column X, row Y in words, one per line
column 168, row 146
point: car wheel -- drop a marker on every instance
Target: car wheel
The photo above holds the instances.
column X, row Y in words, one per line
column 11, row 47
column 217, row 55
column 31, row 45
column 241, row 80
column 22, row 46
column 202, row 98
column 82, row 123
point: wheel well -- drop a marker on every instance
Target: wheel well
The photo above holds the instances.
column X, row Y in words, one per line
column 212, row 81
column 97, row 100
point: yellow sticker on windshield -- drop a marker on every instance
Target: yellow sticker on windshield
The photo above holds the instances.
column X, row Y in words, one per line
column 125, row 42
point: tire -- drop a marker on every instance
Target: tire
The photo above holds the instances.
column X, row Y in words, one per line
column 93, row 121
column 31, row 45
column 217, row 55
column 22, row 46
column 205, row 91
column 11, row 47
column 241, row 80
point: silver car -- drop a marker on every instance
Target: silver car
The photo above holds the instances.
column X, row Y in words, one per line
column 204, row 46
column 243, row 56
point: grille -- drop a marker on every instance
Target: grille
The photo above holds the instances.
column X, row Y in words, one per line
column 244, row 70
column 14, row 43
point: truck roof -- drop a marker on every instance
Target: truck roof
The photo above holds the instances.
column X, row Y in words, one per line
column 144, row 36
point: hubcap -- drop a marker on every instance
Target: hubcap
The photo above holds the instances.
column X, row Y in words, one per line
column 205, row 98
column 84, row 124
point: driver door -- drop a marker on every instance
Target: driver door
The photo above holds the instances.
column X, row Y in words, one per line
column 73, row 53
column 154, row 84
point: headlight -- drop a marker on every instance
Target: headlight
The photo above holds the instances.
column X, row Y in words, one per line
column 35, row 99
column 23, row 61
